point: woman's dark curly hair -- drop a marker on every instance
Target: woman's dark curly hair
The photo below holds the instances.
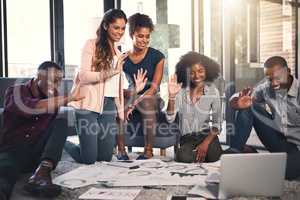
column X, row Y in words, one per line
column 183, row 67
column 139, row 20
column 103, row 53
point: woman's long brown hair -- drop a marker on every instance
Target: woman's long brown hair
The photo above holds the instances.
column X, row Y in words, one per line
column 103, row 54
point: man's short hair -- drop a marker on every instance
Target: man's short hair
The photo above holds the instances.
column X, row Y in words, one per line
column 49, row 64
column 275, row 60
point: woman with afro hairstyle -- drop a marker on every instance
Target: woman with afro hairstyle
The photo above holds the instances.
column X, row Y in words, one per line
column 197, row 102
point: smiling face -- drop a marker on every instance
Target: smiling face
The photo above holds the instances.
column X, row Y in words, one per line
column 141, row 38
column 278, row 76
column 116, row 29
column 197, row 74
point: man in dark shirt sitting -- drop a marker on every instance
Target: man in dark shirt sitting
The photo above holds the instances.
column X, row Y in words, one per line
column 28, row 139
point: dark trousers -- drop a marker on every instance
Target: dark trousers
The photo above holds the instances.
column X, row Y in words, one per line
column 271, row 138
column 146, row 114
column 25, row 158
column 190, row 141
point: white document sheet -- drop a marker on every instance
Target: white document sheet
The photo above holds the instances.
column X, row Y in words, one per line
column 204, row 191
column 111, row 194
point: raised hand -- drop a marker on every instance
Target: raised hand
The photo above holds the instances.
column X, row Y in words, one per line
column 245, row 99
column 173, row 86
column 140, row 80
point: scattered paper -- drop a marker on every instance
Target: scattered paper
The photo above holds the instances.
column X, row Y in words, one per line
column 87, row 175
column 213, row 166
column 206, row 191
column 137, row 173
column 111, row 194
column 213, row 178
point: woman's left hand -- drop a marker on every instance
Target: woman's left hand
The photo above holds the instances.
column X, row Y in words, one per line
column 140, row 80
column 201, row 151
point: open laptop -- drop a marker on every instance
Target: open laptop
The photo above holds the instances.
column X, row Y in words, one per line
column 260, row 174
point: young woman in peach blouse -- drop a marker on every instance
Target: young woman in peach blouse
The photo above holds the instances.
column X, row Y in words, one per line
column 102, row 81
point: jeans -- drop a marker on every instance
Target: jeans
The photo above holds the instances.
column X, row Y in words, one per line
column 274, row 141
column 96, row 133
column 25, row 158
column 190, row 141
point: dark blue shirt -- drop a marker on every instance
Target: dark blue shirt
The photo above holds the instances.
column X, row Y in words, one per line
column 149, row 62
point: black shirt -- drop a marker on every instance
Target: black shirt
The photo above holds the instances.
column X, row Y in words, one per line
column 149, row 62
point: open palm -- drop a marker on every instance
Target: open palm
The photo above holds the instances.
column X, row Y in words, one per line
column 173, row 86
column 140, row 80
column 245, row 99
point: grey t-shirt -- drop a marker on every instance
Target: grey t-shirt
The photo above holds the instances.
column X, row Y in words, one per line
column 205, row 113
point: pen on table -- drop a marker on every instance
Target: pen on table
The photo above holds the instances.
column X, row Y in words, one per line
column 153, row 187
column 116, row 165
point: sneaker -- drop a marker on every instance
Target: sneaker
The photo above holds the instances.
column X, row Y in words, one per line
column 148, row 153
column 142, row 157
column 40, row 183
column 122, row 156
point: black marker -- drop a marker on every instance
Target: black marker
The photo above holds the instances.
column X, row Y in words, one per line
column 153, row 187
